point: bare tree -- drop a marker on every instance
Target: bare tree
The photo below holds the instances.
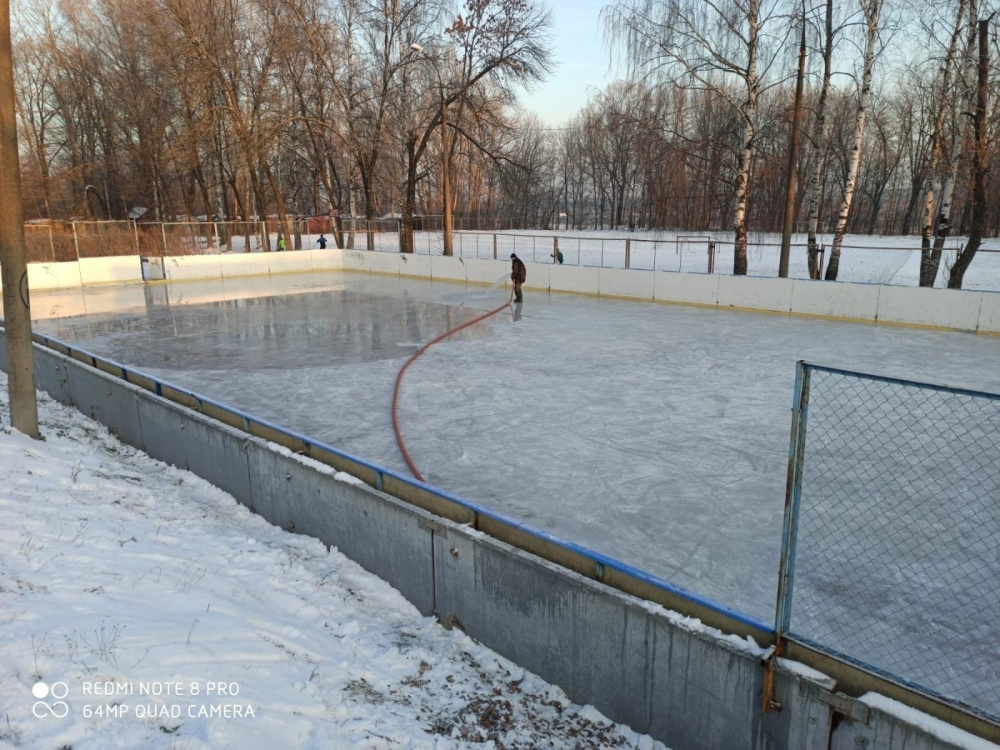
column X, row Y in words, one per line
column 707, row 46
column 980, row 163
column 871, row 10
column 932, row 184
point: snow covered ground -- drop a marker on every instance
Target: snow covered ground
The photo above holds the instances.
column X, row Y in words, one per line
column 873, row 260
column 142, row 607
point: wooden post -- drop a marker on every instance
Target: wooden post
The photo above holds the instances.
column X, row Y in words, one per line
column 13, row 256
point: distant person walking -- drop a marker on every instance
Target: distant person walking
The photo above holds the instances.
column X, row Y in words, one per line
column 281, row 244
column 321, row 242
column 518, row 275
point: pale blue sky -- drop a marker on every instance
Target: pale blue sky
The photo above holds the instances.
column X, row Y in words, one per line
column 582, row 61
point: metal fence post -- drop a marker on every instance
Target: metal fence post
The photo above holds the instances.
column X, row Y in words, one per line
column 494, row 246
column 628, row 252
column 76, row 243
column 711, row 256
column 555, row 250
column 793, row 494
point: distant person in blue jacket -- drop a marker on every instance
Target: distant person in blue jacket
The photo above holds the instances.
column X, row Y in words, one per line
column 321, row 242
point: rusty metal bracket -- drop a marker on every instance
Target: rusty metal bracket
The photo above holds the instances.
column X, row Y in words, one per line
column 770, row 659
column 846, row 706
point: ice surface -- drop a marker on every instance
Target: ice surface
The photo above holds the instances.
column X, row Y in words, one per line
column 655, row 434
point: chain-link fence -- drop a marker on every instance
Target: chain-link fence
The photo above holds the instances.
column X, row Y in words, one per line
column 891, row 534
column 893, row 263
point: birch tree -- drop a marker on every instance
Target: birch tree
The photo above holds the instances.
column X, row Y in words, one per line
column 932, row 182
column 980, row 162
column 819, row 141
column 713, row 46
column 871, row 10
column 966, row 95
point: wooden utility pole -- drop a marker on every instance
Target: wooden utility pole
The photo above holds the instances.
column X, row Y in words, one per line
column 16, row 307
column 448, row 247
column 793, row 159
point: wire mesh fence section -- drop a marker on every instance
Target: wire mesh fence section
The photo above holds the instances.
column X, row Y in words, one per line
column 895, row 557
column 38, row 244
column 97, row 239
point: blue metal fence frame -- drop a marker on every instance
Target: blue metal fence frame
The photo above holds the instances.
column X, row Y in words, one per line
column 789, row 534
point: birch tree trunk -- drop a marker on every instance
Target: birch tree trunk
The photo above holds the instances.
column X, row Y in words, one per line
column 932, row 182
column 749, row 140
column 871, row 10
column 964, row 105
column 980, row 163
column 819, row 139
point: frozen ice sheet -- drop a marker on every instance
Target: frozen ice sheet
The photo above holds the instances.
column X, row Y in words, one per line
column 655, row 434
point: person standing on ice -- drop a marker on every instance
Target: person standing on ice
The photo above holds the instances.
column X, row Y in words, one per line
column 321, row 242
column 281, row 243
column 518, row 275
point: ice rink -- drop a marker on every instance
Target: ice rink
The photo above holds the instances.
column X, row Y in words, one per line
column 655, row 434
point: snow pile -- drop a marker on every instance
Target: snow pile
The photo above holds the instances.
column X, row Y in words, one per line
column 142, row 607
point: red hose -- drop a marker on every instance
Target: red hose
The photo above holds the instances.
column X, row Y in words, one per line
column 410, row 361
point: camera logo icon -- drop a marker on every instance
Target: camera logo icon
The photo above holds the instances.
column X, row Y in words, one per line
column 43, row 706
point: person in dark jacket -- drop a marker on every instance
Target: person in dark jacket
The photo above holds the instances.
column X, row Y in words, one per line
column 518, row 275
column 321, row 242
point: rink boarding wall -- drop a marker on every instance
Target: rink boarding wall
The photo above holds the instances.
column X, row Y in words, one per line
column 935, row 308
column 609, row 635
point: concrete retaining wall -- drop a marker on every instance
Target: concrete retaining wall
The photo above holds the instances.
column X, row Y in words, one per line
column 663, row 674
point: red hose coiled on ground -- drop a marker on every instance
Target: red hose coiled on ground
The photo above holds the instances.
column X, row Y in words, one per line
column 410, row 361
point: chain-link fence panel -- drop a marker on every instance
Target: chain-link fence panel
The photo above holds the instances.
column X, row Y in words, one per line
column 892, row 535
column 98, row 239
column 38, row 244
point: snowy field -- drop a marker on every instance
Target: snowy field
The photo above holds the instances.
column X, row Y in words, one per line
column 143, row 608
column 864, row 259
column 873, row 260
column 654, row 434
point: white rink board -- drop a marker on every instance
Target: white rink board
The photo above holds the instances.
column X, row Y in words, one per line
column 451, row 269
column 573, row 279
column 357, row 260
column 287, row 262
column 384, row 263
column 331, row 259
column 691, row 288
column 945, row 308
column 243, row 264
column 989, row 315
column 186, row 267
column 835, row 299
column 120, row 269
column 617, row 282
column 415, row 265
column 539, row 278
column 755, row 293
column 485, row 271
column 53, row 275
